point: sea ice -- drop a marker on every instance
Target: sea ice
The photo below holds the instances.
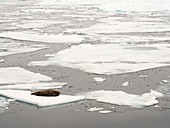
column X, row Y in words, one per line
column 126, row 83
column 8, row 47
column 105, row 111
column 115, row 5
column 70, row 2
column 123, row 98
column 99, row 79
column 1, row 60
column 39, row 24
column 33, row 86
column 112, row 26
column 143, row 76
column 136, row 5
column 111, row 58
column 94, row 109
column 41, row 101
column 42, row 38
column 13, row 75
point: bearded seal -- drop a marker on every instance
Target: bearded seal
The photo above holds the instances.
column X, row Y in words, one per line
column 47, row 92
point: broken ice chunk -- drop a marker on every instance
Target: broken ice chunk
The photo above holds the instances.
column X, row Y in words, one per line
column 99, row 79
column 105, row 111
column 94, row 109
column 143, row 76
column 1, row 60
column 125, row 83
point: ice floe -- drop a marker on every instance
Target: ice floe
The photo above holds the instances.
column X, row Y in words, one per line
column 123, row 98
column 38, row 23
column 9, row 48
column 43, row 37
column 143, row 76
column 69, row 2
column 34, row 86
column 105, row 111
column 126, row 83
column 1, row 60
column 99, row 79
column 136, row 5
column 13, row 75
column 116, row 5
column 111, row 58
column 112, row 26
column 26, row 97
column 94, row 109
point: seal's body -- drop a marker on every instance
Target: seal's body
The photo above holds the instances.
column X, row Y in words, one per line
column 47, row 92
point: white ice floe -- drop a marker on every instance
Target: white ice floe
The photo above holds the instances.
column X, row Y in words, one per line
column 112, row 26
column 165, row 81
column 70, row 2
column 41, row 101
column 43, row 37
column 13, row 75
column 1, row 60
column 33, row 86
column 111, row 58
column 15, row 48
column 143, row 76
column 105, row 111
column 136, row 5
column 116, row 5
column 123, row 98
column 94, row 109
column 99, row 79
column 39, row 23
column 126, row 83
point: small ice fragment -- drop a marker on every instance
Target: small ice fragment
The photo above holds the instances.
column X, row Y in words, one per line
column 94, row 109
column 165, row 81
column 105, row 111
column 2, row 60
column 49, row 55
column 11, row 100
column 99, row 79
column 156, row 106
column 113, row 107
column 125, row 83
column 143, row 76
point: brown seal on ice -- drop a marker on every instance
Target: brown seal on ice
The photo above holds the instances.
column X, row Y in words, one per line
column 47, row 92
